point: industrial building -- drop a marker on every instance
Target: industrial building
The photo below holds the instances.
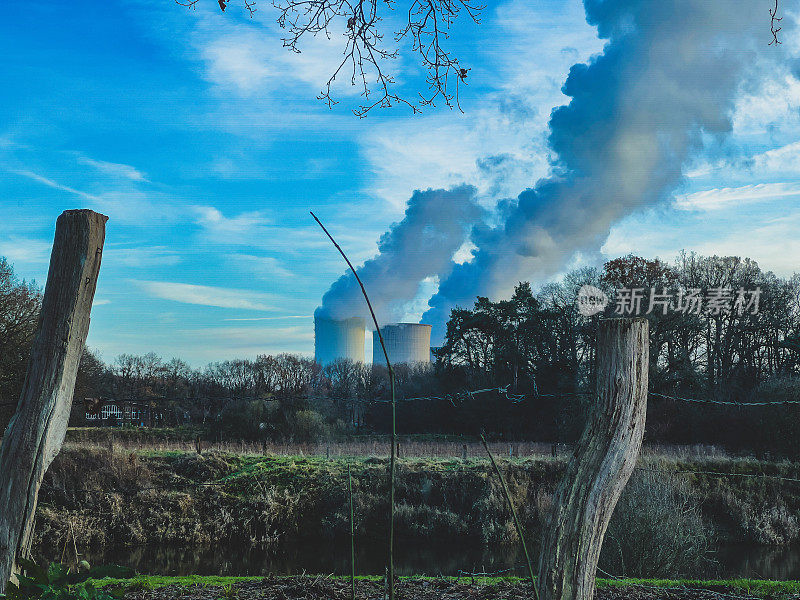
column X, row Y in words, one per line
column 335, row 339
column 405, row 343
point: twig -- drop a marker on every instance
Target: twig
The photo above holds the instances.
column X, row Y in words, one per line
column 352, row 537
column 365, row 54
column 517, row 524
column 393, row 460
column 774, row 20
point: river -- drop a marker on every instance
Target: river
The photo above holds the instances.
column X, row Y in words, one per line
column 758, row 562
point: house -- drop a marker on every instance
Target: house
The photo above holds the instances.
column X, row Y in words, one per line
column 129, row 413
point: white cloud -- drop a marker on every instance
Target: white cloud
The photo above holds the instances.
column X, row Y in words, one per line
column 140, row 257
column 257, row 230
column 765, row 232
column 207, row 295
column 465, row 253
column 133, row 206
column 773, row 243
column 782, row 161
column 115, row 170
column 720, row 198
column 248, row 341
column 124, row 202
column 273, row 318
column 248, row 58
column 238, row 60
column 774, row 103
column 265, row 267
column 490, row 150
column 19, row 250
column 227, row 229
column 52, row 184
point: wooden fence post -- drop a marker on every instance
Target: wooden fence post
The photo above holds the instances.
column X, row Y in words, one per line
column 601, row 464
column 36, row 432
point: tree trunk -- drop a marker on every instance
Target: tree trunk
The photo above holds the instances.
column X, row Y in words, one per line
column 36, row 432
column 603, row 460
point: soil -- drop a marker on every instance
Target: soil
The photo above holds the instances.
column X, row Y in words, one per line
column 325, row 588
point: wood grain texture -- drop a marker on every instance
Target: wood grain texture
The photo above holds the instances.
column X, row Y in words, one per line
column 36, row 432
column 601, row 464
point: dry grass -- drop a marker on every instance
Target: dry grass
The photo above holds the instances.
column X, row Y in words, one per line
column 379, row 447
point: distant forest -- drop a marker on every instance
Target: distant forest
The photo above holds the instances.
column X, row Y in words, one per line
column 536, row 346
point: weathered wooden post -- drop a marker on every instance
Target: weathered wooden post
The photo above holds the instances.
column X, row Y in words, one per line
column 601, row 464
column 36, row 432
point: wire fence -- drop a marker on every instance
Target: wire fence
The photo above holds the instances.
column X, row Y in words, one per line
column 504, row 392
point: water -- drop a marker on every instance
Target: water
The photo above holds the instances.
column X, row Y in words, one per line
column 757, row 562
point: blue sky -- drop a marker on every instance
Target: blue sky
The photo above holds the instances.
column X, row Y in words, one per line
column 202, row 139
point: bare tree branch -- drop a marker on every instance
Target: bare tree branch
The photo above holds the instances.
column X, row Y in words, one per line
column 774, row 24
column 365, row 54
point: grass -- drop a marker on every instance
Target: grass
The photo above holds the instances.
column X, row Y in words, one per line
column 751, row 587
column 104, row 498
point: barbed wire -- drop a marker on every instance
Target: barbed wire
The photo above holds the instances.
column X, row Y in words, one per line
column 719, row 474
column 458, row 397
column 516, row 398
column 724, row 402
column 503, row 391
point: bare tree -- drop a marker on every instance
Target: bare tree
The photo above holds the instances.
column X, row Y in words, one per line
column 364, row 58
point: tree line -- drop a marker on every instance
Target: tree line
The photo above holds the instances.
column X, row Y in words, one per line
column 537, row 347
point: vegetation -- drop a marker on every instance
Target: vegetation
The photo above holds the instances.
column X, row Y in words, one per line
column 537, row 344
column 753, row 588
column 96, row 498
column 19, row 313
column 58, row 582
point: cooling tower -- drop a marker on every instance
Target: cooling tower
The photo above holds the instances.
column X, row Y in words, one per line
column 405, row 343
column 338, row 339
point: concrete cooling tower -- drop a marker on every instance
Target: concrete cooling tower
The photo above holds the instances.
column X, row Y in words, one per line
column 405, row 343
column 338, row 339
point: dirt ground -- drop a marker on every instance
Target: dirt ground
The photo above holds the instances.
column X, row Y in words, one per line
column 324, row 588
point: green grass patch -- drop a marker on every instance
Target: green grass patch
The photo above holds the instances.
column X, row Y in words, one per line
column 749, row 587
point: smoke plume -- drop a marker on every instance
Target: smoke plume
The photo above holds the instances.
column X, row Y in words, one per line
column 436, row 224
column 667, row 76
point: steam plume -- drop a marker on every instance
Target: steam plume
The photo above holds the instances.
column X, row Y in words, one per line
column 667, row 76
column 435, row 225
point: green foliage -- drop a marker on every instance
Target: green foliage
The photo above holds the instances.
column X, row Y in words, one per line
column 309, row 426
column 58, row 582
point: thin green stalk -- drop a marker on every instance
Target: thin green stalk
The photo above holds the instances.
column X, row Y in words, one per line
column 392, row 468
column 517, row 524
column 352, row 538
column 393, row 459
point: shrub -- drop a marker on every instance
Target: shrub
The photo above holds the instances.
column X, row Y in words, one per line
column 657, row 529
column 309, row 426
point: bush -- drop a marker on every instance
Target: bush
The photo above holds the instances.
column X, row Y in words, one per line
column 309, row 426
column 241, row 419
column 657, row 529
